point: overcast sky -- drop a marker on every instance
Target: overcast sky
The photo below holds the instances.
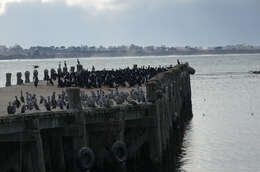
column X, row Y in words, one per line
column 142, row 22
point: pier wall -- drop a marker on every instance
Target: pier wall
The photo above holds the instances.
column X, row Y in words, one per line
column 151, row 132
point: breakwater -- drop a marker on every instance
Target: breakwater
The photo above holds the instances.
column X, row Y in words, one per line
column 101, row 139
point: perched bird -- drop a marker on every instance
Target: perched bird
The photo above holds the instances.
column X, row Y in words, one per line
column 131, row 102
column 53, row 100
column 51, row 82
column 22, row 97
column 60, row 102
column 11, row 108
column 47, row 105
column 36, row 106
column 23, row 109
column 42, row 99
column 17, row 102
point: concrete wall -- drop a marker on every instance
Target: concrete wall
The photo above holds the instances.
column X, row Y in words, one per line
column 171, row 93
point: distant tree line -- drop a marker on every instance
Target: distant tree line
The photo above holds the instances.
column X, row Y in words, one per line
column 18, row 52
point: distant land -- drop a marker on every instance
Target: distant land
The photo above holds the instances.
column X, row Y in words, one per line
column 40, row 52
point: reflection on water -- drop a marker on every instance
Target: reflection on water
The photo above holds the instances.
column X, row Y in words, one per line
column 224, row 134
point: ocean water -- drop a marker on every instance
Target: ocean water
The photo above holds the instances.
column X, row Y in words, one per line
column 224, row 134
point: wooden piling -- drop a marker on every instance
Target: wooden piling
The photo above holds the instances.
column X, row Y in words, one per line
column 57, row 154
column 27, row 76
column 8, row 79
column 19, row 78
column 36, row 147
column 74, row 99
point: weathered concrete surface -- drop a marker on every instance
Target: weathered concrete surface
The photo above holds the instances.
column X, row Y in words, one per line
column 50, row 141
column 8, row 94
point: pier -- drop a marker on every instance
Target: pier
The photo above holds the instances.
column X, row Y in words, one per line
column 117, row 138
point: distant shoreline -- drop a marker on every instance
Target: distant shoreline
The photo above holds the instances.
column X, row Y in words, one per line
column 180, row 53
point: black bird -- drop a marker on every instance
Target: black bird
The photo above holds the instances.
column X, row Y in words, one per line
column 17, row 102
column 11, row 109
column 60, row 102
column 178, row 61
column 41, row 99
column 22, row 97
column 47, row 105
column 67, row 106
column 23, row 109
column 53, row 100
column 61, row 106
column 51, row 82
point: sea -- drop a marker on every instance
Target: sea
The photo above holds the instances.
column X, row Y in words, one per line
column 224, row 134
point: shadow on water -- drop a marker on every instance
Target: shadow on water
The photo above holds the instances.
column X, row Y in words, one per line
column 172, row 160
column 180, row 162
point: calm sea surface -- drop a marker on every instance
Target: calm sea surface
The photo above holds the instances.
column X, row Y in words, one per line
column 224, row 134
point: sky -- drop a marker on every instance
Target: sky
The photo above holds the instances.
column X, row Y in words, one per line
column 117, row 22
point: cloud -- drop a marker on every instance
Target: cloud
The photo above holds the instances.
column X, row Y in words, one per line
column 96, row 6
column 3, row 4
column 88, row 5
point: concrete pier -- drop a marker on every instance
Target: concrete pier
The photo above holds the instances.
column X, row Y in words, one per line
column 118, row 138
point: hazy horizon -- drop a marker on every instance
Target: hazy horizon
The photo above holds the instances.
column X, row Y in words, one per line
column 115, row 22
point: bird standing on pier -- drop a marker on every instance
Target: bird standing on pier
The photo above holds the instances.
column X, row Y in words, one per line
column 22, row 97
column 53, row 100
column 17, row 102
column 23, row 108
column 47, row 105
column 60, row 102
column 11, row 108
